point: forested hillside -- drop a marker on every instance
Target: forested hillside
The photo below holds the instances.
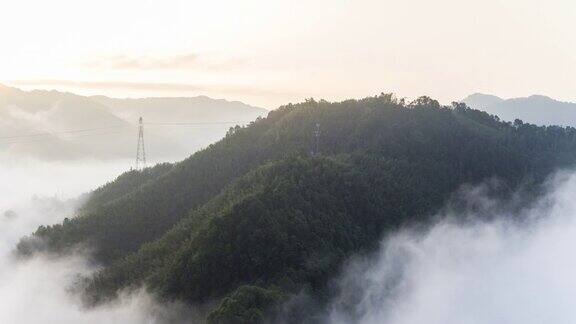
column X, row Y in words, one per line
column 256, row 218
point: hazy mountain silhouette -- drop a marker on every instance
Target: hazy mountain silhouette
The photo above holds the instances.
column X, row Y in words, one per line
column 536, row 109
column 60, row 125
column 184, row 109
column 202, row 120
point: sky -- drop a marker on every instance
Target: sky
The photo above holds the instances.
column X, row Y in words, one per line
column 268, row 53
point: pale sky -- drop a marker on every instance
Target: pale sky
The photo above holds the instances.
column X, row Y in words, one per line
column 271, row 52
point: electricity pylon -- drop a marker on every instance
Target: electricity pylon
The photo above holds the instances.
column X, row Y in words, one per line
column 140, row 150
column 315, row 151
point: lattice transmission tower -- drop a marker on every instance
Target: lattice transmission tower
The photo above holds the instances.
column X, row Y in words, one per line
column 140, row 150
column 315, row 150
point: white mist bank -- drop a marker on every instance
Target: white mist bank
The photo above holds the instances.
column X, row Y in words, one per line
column 22, row 178
column 34, row 193
column 488, row 272
column 38, row 290
column 495, row 272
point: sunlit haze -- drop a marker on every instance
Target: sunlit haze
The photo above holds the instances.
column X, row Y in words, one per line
column 287, row 161
column 268, row 53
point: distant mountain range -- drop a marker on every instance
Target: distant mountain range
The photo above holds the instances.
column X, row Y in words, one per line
column 61, row 126
column 58, row 125
column 536, row 109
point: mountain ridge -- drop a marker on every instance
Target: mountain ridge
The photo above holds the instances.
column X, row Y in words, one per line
column 4, row 87
column 255, row 218
column 534, row 109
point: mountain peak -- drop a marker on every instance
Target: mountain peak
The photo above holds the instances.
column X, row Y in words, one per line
column 481, row 100
column 483, row 95
column 541, row 98
column 5, row 88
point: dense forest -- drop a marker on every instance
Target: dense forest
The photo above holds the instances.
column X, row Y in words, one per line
column 256, row 218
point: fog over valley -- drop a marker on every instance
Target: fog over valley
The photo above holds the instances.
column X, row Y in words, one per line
column 287, row 162
column 55, row 148
column 453, row 272
column 38, row 193
column 479, row 272
column 64, row 222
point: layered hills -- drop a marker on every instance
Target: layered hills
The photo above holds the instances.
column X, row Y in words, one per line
column 55, row 125
column 276, row 207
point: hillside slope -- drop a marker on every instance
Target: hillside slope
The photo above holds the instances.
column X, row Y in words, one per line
column 255, row 218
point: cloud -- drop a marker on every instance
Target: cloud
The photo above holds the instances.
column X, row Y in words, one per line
column 41, row 289
column 480, row 272
column 188, row 61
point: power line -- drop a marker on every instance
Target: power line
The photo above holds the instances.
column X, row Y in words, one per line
column 37, row 137
column 47, row 133
column 192, row 124
column 61, row 132
column 58, row 138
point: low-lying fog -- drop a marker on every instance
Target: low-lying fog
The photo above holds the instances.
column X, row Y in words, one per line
column 494, row 272
column 37, row 290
